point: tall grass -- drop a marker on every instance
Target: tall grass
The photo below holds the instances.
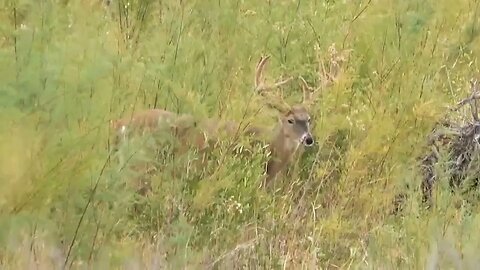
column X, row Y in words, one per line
column 68, row 67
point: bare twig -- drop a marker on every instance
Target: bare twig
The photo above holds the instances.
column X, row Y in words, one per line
column 460, row 141
column 474, row 86
column 471, row 99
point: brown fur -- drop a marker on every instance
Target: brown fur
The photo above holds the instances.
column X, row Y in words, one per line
column 286, row 143
column 286, row 140
column 293, row 129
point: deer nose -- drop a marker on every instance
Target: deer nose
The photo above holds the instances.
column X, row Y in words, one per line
column 307, row 140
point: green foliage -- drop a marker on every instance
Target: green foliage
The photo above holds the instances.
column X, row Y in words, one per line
column 68, row 67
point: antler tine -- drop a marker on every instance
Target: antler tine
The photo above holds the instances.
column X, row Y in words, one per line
column 259, row 80
column 310, row 94
column 261, row 87
column 260, row 84
column 327, row 74
column 307, row 91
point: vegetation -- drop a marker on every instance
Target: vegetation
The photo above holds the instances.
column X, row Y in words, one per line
column 68, row 67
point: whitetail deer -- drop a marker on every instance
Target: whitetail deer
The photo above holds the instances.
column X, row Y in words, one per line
column 293, row 130
column 286, row 141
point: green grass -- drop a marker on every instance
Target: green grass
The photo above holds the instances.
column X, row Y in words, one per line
column 68, row 67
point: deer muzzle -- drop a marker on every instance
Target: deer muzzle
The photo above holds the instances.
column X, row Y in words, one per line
column 307, row 139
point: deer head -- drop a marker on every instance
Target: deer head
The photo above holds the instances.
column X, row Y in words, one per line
column 294, row 120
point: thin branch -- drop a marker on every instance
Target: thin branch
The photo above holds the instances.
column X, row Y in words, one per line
column 471, row 101
column 90, row 200
column 350, row 25
column 474, row 86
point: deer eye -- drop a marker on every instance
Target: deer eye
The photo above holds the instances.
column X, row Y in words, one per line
column 290, row 121
column 308, row 120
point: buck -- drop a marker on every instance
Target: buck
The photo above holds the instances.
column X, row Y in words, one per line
column 293, row 130
column 286, row 140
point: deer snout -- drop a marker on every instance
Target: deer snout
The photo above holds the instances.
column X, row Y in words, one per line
column 307, row 139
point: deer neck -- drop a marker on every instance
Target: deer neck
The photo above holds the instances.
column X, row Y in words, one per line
column 283, row 147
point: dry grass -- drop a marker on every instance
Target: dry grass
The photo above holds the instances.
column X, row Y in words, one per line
column 70, row 67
